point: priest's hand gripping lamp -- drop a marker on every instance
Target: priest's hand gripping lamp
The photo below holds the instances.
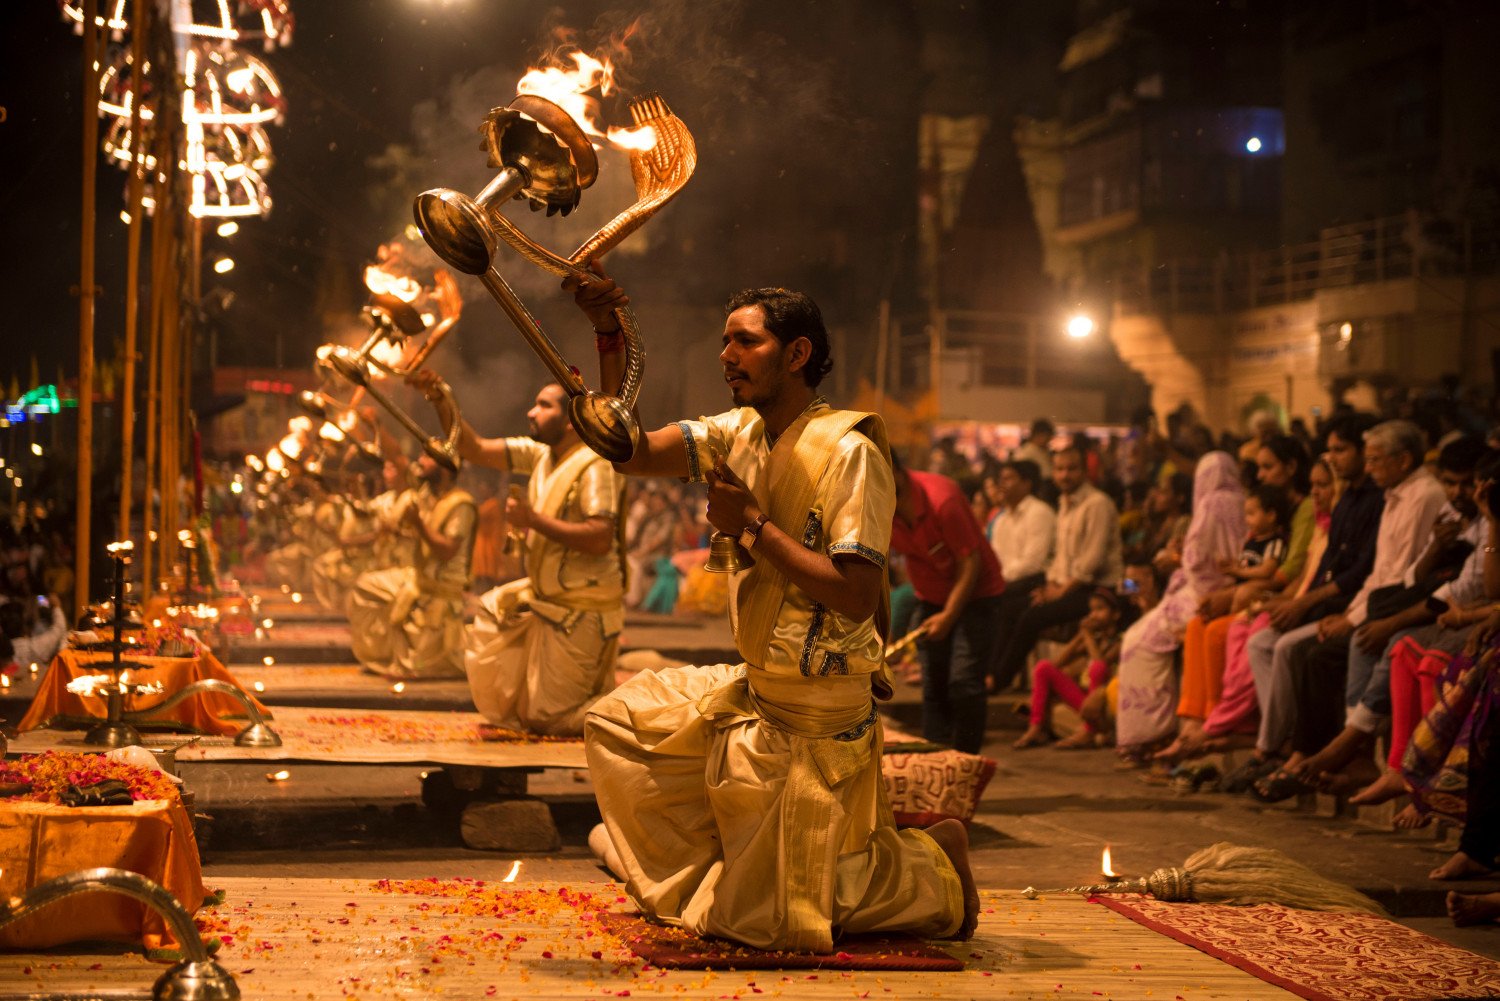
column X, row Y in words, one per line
column 545, row 157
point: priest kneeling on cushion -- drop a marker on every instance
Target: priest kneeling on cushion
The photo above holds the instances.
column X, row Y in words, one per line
column 543, row 648
column 407, row 621
column 745, row 800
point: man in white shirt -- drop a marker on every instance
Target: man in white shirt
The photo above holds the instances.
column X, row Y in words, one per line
column 1086, row 555
column 1021, row 535
column 1458, row 532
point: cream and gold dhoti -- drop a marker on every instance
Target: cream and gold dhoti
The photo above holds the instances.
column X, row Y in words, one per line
column 746, row 801
column 407, row 622
column 403, row 630
column 543, row 648
column 776, row 833
column 537, row 665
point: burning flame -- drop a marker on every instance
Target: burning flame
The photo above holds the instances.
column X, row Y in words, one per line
column 86, row 683
column 398, row 687
column 515, row 869
column 387, row 353
column 383, row 282
column 347, row 420
column 330, row 432
column 280, row 776
column 290, row 447
column 300, row 424
column 1105, row 864
column 570, row 89
column 260, row 686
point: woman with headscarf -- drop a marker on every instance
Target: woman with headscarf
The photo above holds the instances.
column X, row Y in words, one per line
column 1147, row 675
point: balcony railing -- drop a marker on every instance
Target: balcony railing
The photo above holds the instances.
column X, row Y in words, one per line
column 1395, row 247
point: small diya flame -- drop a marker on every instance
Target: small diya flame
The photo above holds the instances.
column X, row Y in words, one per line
column 515, row 869
column 398, row 687
column 259, row 686
column 1106, row 865
column 280, row 776
column 268, row 660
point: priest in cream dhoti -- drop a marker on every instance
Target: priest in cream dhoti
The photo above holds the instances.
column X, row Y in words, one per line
column 335, row 570
column 407, row 621
column 543, row 648
column 746, row 800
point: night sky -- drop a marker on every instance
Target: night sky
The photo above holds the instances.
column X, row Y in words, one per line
column 804, row 113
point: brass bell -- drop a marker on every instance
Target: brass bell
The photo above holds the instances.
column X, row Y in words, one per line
column 725, row 555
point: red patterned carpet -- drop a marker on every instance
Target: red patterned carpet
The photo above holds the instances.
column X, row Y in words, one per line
column 1321, row 956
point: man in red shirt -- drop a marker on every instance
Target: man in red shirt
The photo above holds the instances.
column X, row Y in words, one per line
column 958, row 584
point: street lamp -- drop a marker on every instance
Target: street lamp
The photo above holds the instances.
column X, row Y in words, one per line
column 1080, row 325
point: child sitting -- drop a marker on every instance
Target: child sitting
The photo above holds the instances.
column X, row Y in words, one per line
column 1268, row 514
column 1096, row 648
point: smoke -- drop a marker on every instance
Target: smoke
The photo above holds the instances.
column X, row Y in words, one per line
column 793, row 122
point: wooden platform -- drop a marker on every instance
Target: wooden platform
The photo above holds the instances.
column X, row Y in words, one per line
column 356, row 737
column 314, row 938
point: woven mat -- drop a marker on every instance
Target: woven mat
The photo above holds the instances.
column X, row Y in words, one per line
column 676, row 949
column 1321, row 956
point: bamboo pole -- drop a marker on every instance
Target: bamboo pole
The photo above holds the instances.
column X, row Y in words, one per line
column 84, row 488
column 140, row 26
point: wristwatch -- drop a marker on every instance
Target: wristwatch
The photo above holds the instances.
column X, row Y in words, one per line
column 752, row 531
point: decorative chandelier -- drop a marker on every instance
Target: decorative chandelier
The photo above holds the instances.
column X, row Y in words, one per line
column 227, row 96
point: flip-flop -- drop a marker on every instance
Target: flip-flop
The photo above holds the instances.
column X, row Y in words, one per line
column 1281, row 785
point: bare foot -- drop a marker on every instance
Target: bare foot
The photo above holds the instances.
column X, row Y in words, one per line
column 953, row 838
column 1336, row 755
column 1227, row 742
column 1172, row 753
column 1473, row 908
column 1079, row 740
column 1034, row 736
column 1387, row 787
column 1460, row 866
column 1409, row 818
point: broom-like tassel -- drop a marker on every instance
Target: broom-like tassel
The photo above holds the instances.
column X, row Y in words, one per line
column 1234, row 874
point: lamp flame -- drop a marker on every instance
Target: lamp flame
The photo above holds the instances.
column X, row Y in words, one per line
column 571, row 88
column 515, row 869
column 1105, row 864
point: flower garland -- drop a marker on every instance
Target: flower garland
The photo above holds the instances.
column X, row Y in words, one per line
column 49, row 774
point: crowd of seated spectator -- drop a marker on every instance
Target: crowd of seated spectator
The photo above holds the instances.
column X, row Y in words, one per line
column 1325, row 601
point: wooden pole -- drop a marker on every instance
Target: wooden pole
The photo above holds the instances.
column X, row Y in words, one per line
column 84, row 503
column 133, row 264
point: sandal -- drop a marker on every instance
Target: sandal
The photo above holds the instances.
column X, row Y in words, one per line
column 1281, row 785
column 1246, row 775
column 1191, row 778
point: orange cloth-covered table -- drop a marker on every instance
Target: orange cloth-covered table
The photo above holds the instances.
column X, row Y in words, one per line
column 40, row 841
column 204, row 713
